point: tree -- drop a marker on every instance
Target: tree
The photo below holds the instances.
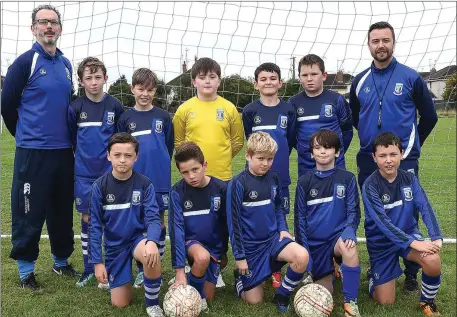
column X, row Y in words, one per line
column 450, row 91
column 161, row 95
column 238, row 90
column 120, row 89
column 289, row 88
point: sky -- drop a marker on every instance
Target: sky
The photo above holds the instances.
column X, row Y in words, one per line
column 238, row 35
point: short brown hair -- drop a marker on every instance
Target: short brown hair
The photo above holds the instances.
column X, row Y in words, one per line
column 310, row 60
column 188, row 151
column 144, row 77
column 261, row 142
column 379, row 26
column 93, row 63
column 325, row 138
column 123, row 137
column 385, row 139
column 205, row 65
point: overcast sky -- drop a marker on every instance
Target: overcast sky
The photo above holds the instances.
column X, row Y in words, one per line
column 240, row 36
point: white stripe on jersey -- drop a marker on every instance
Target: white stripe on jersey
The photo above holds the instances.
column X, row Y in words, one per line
column 308, row 118
column 196, row 212
column 360, row 84
column 116, row 207
column 90, row 124
column 256, row 203
column 394, row 204
column 141, row 132
column 264, row 127
column 412, row 137
column 32, row 69
column 319, row 201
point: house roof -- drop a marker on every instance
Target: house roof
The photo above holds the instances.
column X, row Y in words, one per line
column 442, row 74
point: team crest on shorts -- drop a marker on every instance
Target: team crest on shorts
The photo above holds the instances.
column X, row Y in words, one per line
column 136, row 197
column 110, row 198
column 165, row 199
column 328, row 110
column 376, row 276
column 83, row 115
column 78, row 201
column 43, row 71
column 132, row 126
column 408, row 193
column 217, row 203
column 249, row 274
column 398, row 91
column 385, row 198
column 188, row 204
column 285, row 202
column 110, row 118
column 159, row 126
column 283, row 122
column 313, row 192
column 220, row 114
column 253, row 194
column 300, row 111
column 340, row 191
column 68, row 73
column 111, row 278
column 257, row 119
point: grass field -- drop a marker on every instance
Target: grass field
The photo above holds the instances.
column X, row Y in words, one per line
column 59, row 297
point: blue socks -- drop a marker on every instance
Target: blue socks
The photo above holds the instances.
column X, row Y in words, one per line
column 198, row 283
column 60, row 262
column 25, row 268
column 152, row 290
column 88, row 268
column 351, row 281
column 289, row 282
column 430, row 287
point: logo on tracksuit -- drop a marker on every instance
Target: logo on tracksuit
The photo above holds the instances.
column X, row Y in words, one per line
column 408, row 193
column 220, row 114
column 110, row 118
column 283, row 122
column 159, row 126
column 136, row 197
column 398, row 91
column 217, row 203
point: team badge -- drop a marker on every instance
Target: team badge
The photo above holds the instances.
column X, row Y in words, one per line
column 78, row 201
column 159, row 126
column 285, row 202
column 68, row 73
column 165, row 199
column 376, row 276
column 111, row 278
column 220, row 114
column 300, row 111
column 110, row 118
column 136, row 196
column 340, row 191
column 188, row 204
column 257, row 119
column 110, row 198
column 408, row 193
column 385, row 198
column 398, row 91
column 83, row 115
column 192, row 115
column 313, row 192
column 366, row 89
column 328, row 111
column 217, row 203
column 132, row 126
column 253, row 194
column 283, row 122
column 43, row 71
column 249, row 274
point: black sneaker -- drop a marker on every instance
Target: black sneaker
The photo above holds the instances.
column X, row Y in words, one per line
column 410, row 285
column 30, row 282
column 282, row 302
column 66, row 270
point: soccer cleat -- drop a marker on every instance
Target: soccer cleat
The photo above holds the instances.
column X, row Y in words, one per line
column 282, row 302
column 204, row 306
column 139, row 281
column 429, row 308
column 104, row 286
column 276, row 279
column 66, row 270
column 186, row 270
column 85, row 279
column 410, row 286
column 220, row 281
column 337, row 271
column 351, row 309
column 154, row 311
column 30, row 282
column 307, row 278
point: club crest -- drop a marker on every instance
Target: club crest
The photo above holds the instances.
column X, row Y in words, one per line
column 136, row 197
column 110, row 118
column 300, row 111
column 78, row 201
column 257, row 119
column 340, row 191
column 328, row 110
column 217, row 203
column 253, row 194
column 283, row 122
column 132, row 126
column 408, row 193
column 68, row 73
column 43, row 71
column 313, row 192
column 110, row 198
column 188, row 204
column 398, row 91
column 83, row 115
column 366, row 90
column 159, row 126
column 220, row 114
column 385, row 198
column 165, row 199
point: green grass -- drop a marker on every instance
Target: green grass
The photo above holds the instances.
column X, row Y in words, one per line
column 59, row 297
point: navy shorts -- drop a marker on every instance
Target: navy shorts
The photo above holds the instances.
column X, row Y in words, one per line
column 263, row 262
column 82, row 195
column 162, row 199
column 322, row 256
column 119, row 264
column 214, row 267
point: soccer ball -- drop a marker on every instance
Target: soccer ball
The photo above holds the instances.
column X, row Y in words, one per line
column 313, row 300
column 182, row 301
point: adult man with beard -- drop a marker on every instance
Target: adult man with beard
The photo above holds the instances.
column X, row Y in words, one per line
column 386, row 98
column 35, row 99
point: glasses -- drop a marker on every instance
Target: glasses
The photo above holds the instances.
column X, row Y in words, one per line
column 46, row 22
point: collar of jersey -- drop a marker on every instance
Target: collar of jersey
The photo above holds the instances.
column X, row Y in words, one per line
column 383, row 70
column 40, row 50
column 324, row 174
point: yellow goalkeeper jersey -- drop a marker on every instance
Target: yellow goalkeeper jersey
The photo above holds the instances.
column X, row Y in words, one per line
column 215, row 126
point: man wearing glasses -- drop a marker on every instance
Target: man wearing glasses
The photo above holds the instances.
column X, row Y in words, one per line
column 35, row 98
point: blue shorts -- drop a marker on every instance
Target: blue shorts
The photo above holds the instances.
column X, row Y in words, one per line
column 82, row 195
column 285, row 199
column 263, row 262
column 119, row 264
column 385, row 265
column 162, row 199
column 322, row 256
column 214, row 267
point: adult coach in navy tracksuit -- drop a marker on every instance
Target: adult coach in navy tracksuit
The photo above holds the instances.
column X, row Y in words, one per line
column 386, row 98
column 35, row 99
